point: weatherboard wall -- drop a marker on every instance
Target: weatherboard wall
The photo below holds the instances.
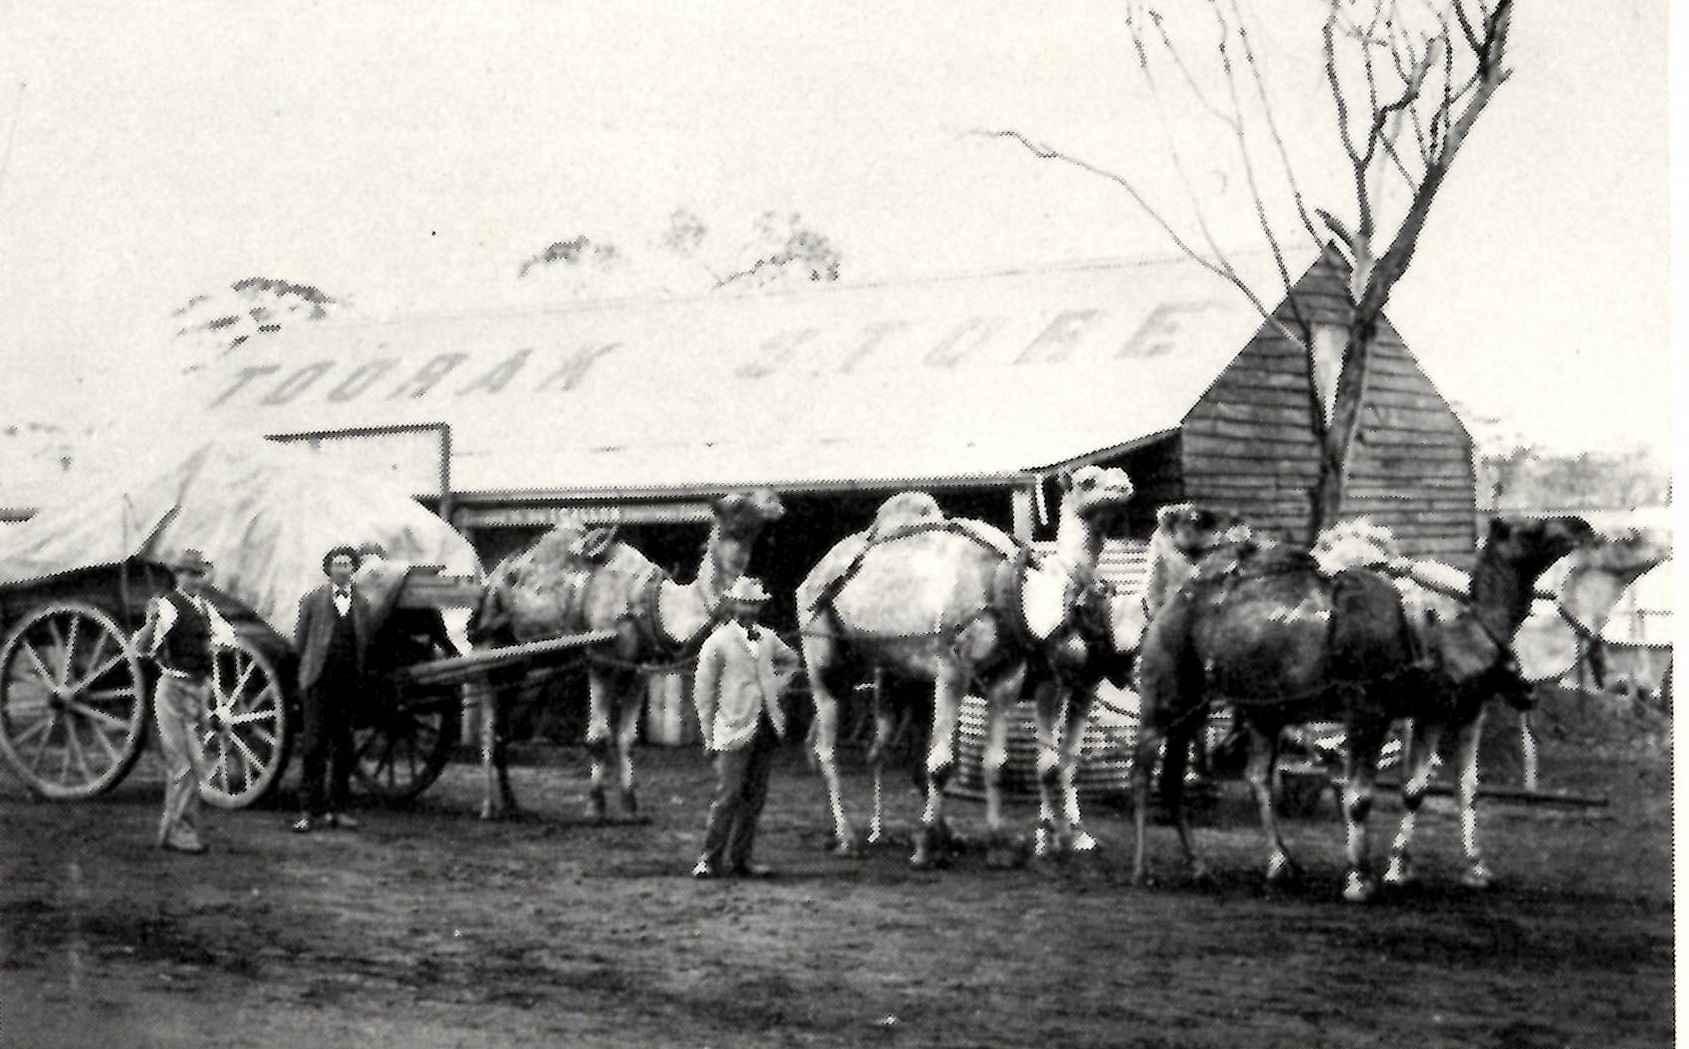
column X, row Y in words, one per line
column 1248, row 444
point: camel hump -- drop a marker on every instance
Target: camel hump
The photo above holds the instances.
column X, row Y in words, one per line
column 903, row 512
column 909, row 513
column 1355, row 543
column 1249, row 560
column 825, row 579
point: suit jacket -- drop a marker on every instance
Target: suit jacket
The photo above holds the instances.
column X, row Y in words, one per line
column 737, row 680
column 317, row 616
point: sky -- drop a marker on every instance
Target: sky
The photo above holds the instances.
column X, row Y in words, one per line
column 409, row 156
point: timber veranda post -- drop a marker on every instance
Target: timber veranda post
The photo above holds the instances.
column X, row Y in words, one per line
column 1021, row 504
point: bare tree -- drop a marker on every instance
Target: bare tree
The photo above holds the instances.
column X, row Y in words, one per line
column 1407, row 80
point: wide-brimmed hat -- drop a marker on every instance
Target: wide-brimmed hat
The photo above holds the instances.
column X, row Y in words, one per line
column 746, row 590
column 190, row 560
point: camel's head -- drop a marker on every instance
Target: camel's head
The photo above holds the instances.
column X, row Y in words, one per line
column 1626, row 553
column 1193, row 531
column 1586, row 585
column 1531, row 544
column 741, row 516
column 491, row 623
column 1098, row 495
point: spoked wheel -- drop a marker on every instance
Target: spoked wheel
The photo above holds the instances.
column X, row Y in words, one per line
column 72, row 701
column 246, row 730
column 403, row 747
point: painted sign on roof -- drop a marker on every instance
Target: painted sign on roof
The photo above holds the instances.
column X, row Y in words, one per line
column 981, row 377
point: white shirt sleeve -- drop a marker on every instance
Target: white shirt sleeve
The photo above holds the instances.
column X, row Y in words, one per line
column 166, row 613
column 222, row 634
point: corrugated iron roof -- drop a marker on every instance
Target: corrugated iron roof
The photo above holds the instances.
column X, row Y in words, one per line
column 948, row 380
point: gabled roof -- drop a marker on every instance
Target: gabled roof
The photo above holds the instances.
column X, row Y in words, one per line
column 953, row 380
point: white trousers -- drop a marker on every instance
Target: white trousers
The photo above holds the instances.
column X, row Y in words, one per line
column 179, row 706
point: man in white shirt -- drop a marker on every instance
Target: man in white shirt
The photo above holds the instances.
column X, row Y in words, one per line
column 743, row 671
column 181, row 634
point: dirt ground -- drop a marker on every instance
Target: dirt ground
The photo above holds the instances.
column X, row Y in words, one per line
column 428, row 927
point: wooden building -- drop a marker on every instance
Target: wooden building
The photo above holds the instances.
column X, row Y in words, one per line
column 979, row 389
column 1247, row 443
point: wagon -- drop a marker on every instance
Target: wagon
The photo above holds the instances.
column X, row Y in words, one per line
column 76, row 579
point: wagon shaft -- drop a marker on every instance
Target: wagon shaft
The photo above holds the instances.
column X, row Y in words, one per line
column 549, row 652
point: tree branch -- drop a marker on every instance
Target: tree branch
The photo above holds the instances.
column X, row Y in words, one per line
column 1221, row 268
column 1258, row 76
column 1393, row 263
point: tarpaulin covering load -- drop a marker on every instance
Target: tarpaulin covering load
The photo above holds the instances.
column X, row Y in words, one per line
column 264, row 513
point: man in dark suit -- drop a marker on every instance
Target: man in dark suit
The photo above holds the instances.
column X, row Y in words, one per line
column 330, row 638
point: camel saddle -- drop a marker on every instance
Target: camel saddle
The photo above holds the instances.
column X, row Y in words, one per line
column 903, row 515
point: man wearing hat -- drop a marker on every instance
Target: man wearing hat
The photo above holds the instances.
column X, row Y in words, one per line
column 330, row 637
column 743, row 671
column 181, row 634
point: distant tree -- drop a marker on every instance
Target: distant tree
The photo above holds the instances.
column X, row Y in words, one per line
column 1525, row 478
column 217, row 323
column 1407, row 81
column 785, row 251
column 685, row 258
column 580, row 253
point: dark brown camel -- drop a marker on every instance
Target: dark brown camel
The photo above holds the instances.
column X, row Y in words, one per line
column 1262, row 628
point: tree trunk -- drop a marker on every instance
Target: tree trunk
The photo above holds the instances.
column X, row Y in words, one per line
column 1343, row 431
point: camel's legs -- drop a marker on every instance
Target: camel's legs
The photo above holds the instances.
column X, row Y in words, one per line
column 601, row 689
column 1419, row 762
column 1466, row 750
column 1365, row 740
column 1077, row 708
column 489, row 749
column 948, row 689
column 1048, row 712
column 1143, row 769
column 1000, row 698
column 994, row 754
column 884, row 725
column 818, row 655
column 497, row 799
column 1175, row 759
column 1263, row 761
column 1171, row 708
column 631, row 695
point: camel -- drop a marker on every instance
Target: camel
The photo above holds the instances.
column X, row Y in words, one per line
column 958, row 603
column 577, row 579
column 1262, row 628
column 1111, row 626
column 918, row 597
column 1573, row 601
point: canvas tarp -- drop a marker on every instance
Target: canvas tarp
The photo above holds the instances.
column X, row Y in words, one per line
column 264, row 513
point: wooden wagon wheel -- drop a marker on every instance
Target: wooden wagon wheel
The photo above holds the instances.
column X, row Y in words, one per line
column 404, row 744
column 72, row 701
column 246, row 732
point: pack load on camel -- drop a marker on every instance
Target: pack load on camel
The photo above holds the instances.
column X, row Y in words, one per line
column 582, row 579
column 920, row 597
column 1266, row 630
